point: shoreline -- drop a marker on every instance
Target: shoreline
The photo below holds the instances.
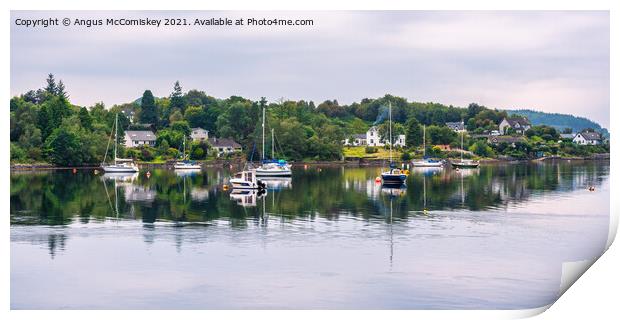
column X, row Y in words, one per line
column 361, row 162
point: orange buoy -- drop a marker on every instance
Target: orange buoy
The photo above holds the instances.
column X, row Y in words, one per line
column 225, row 187
column 378, row 179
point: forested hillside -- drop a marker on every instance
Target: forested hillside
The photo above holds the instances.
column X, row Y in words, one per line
column 46, row 127
column 559, row 121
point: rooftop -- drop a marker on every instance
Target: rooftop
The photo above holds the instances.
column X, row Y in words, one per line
column 224, row 142
column 141, row 135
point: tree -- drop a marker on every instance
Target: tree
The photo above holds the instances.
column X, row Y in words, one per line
column 148, row 113
column 51, row 88
column 414, row 135
column 196, row 117
column 440, row 135
column 85, row 120
column 482, row 149
column 63, row 148
column 60, row 90
column 384, row 133
column 176, row 98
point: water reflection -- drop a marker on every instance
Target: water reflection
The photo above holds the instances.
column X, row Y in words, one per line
column 439, row 242
column 57, row 198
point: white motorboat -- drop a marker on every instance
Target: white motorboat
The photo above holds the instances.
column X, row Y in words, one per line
column 119, row 165
column 246, row 180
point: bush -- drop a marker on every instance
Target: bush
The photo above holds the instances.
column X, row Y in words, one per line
column 372, row 149
column 17, row 153
column 406, row 156
column 146, row 153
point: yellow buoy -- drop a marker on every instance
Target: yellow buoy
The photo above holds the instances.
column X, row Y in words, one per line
column 225, row 187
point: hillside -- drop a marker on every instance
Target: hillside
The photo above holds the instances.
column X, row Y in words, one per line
column 559, row 121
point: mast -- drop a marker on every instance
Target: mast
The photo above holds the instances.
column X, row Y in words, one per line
column 390, row 113
column 115, row 139
column 263, row 153
column 461, row 146
column 272, row 153
column 424, row 140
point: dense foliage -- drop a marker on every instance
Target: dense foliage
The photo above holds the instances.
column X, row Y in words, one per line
column 46, row 127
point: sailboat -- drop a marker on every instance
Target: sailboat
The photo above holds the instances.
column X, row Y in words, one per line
column 186, row 163
column 393, row 177
column 465, row 163
column 426, row 162
column 120, row 165
column 272, row 167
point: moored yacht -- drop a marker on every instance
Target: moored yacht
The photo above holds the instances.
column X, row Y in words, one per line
column 394, row 176
column 464, row 163
column 186, row 163
column 119, row 165
column 272, row 167
column 426, row 162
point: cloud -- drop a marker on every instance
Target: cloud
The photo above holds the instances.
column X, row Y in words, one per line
column 547, row 60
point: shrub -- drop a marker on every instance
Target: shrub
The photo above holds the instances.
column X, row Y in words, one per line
column 370, row 149
column 406, row 156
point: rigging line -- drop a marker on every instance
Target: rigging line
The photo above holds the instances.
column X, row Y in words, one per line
column 278, row 146
column 108, row 146
column 105, row 186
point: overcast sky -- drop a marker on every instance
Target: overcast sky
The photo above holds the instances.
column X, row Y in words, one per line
column 549, row 61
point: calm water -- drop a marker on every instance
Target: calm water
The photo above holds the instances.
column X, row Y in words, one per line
column 490, row 238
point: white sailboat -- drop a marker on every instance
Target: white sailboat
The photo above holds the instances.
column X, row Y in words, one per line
column 394, row 177
column 186, row 164
column 272, row 167
column 120, row 165
column 426, row 162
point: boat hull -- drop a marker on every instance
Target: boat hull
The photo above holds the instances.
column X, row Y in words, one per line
column 393, row 179
column 465, row 165
column 117, row 169
column 422, row 164
column 190, row 166
column 273, row 173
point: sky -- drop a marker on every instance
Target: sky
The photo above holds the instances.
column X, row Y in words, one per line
column 553, row 61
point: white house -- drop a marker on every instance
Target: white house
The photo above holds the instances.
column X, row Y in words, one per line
column 199, row 134
column 139, row 138
column 358, row 140
column 588, row 138
column 224, row 146
column 373, row 138
column 518, row 124
column 456, row 126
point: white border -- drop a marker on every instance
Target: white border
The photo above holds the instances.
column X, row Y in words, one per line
column 595, row 294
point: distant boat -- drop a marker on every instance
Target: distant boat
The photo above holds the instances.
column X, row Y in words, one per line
column 426, row 162
column 272, row 167
column 394, row 176
column 120, row 165
column 247, row 180
column 465, row 163
column 186, row 163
